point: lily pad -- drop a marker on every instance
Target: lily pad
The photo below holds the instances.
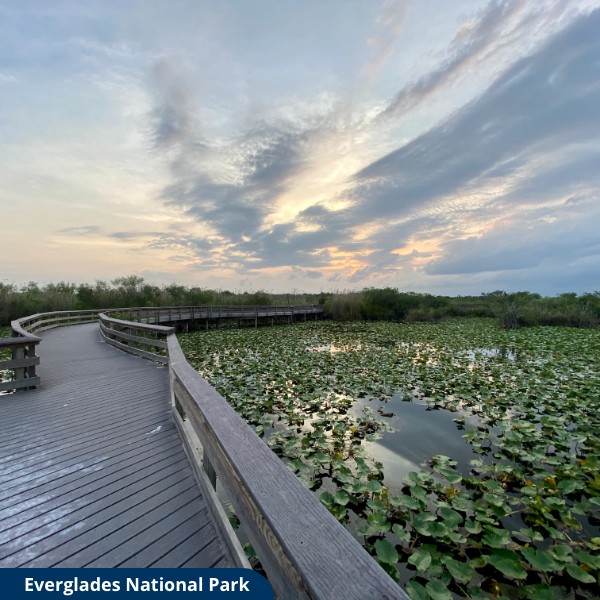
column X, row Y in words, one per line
column 508, row 563
column 386, row 552
column 421, row 559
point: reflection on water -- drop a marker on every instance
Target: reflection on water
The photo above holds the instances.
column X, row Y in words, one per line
column 418, row 434
column 335, row 348
column 508, row 353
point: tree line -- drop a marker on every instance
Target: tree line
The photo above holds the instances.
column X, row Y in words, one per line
column 125, row 292
column 519, row 309
column 511, row 309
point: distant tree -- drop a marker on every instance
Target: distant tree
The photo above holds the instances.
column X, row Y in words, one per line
column 259, row 297
column 8, row 303
column 129, row 283
column 176, row 294
column 59, row 296
column 86, row 297
column 197, row 296
column 128, row 290
column 387, row 304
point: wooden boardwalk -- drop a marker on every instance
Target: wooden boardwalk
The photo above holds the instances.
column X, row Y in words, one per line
column 92, row 469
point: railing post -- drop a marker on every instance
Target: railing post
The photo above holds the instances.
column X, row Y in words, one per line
column 31, row 354
column 17, row 354
column 209, row 470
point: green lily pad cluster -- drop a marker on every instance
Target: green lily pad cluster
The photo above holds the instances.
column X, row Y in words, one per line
column 521, row 522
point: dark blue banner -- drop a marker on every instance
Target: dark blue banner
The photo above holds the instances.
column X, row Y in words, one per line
column 61, row 584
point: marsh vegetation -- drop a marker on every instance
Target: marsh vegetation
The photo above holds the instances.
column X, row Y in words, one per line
column 500, row 497
column 511, row 310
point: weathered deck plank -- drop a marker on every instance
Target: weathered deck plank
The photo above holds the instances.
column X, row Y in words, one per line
column 92, row 470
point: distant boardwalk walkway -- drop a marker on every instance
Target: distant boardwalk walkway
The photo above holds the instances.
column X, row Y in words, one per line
column 92, row 469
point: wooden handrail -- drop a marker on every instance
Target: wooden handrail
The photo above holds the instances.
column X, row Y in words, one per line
column 306, row 553
column 48, row 320
column 23, row 344
column 119, row 333
column 128, row 336
column 18, row 341
column 179, row 313
column 23, row 363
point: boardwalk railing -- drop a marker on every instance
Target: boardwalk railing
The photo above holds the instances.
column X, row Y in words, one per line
column 23, row 345
column 174, row 314
column 136, row 338
column 49, row 320
column 132, row 338
column 22, row 363
column 305, row 552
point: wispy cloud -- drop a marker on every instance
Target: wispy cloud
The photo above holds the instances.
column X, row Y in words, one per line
column 172, row 120
column 487, row 41
column 519, row 246
column 546, row 101
column 81, row 230
column 381, row 45
column 471, row 42
column 134, row 235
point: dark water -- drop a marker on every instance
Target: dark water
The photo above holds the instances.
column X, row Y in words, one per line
column 419, row 433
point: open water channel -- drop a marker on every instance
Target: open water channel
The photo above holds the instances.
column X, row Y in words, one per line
column 417, row 432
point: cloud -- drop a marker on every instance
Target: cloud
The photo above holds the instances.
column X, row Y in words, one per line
column 81, row 230
column 133, row 235
column 224, row 206
column 446, row 203
column 529, row 141
column 381, row 45
column 486, row 42
column 544, row 101
column 283, row 246
column 172, row 119
column 472, row 41
column 308, row 273
column 231, row 185
column 562, row 235
column 274, row 154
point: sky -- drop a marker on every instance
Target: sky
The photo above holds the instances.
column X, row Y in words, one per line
column 445, row 147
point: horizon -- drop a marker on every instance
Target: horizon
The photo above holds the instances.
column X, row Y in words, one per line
column 114, row 284
column 435, row 149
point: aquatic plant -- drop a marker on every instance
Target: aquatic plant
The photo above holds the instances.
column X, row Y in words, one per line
column 521, row 521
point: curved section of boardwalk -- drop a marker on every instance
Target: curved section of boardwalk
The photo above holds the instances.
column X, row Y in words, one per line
column 92, row 470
